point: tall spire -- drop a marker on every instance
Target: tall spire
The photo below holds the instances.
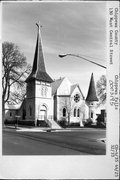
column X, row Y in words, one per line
column 91, row 96
column 38, row 69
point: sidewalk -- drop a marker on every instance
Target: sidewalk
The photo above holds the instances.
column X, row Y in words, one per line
column 47, row 129
column 25, row 128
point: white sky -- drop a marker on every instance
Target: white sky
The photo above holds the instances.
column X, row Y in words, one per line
column 68, row 27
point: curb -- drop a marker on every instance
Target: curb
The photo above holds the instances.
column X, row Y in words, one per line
column 38, row 129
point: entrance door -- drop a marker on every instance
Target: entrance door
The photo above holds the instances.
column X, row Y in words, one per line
column 43, row 113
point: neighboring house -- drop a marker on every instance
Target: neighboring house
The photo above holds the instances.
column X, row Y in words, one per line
column 11, row 111
column 52, row 101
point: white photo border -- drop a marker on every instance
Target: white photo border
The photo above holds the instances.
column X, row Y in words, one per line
column 78, row 167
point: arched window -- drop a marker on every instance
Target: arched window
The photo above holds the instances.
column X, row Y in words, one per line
column 91, row 114
column 24, row 113
column 75, row 112
column 30, row 110
column 64, row 112
column 10, row 114
column 78, row 113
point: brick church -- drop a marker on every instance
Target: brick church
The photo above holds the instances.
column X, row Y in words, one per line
column 53, row 101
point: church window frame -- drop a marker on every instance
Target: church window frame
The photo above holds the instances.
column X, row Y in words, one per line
column 10, row 114
column 77, row 98
column 30, row 110
column 23, row 114
column 74, row 112
column 64, row 112
column 91, row 114
column 78, row 113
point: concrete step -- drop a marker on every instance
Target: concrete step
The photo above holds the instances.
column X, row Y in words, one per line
column 54, row 124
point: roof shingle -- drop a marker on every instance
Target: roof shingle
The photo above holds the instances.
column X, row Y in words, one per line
column 91, row 96
column 39, row 70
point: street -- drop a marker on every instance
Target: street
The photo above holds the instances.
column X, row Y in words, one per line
column 77, row 142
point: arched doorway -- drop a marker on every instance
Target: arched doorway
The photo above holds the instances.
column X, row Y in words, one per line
column 43, row 113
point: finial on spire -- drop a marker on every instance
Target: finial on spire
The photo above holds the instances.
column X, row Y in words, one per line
column 39, row 70
column 38, row 25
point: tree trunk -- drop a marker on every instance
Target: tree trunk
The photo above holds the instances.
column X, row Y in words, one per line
column 68, row 119
column 3, row 112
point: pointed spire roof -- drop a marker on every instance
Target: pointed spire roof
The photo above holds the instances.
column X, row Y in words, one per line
column 91, row 96
column 38, row 69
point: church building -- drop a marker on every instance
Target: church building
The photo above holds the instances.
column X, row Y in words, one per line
column 53, row 101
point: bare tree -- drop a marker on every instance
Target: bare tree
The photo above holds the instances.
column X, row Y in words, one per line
column 69, row 108
column 101, row 89
column 69, row 105
column 14, row 72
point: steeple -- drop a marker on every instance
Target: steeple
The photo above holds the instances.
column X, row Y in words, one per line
column 38, row 70
column 91, row 96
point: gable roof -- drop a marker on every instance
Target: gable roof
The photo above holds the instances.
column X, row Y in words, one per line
column 38, row 69
column 73, row 88
column 55, row 85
